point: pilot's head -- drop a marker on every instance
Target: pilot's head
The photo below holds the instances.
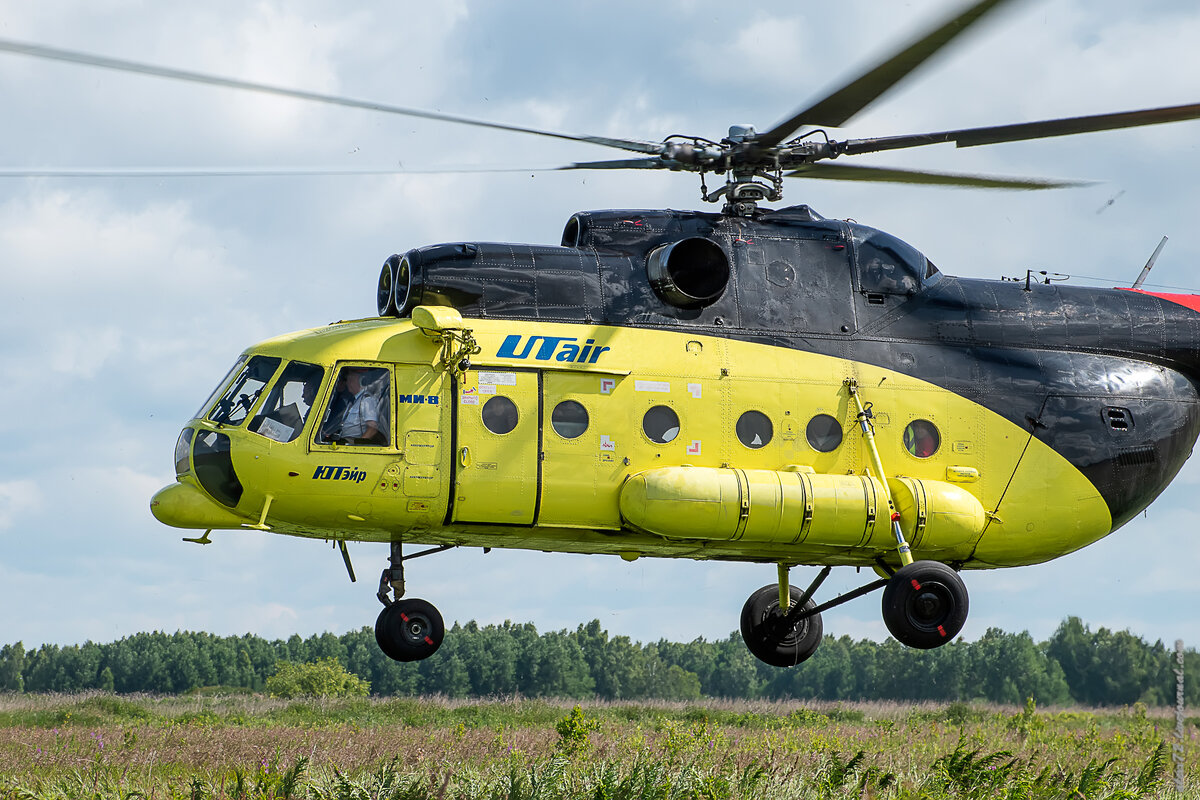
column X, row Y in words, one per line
column 309, row 391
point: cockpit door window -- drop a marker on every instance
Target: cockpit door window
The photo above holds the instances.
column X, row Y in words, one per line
column 243, row 393
column 359, row 410
column 286, row 408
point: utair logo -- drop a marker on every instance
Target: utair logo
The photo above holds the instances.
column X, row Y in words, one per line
column 560, row 348
column 339, row 474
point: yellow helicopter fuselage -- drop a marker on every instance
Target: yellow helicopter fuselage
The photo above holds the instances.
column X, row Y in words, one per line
column 608, row 481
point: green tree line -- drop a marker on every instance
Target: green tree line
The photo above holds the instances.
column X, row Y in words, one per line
column 1076, row 665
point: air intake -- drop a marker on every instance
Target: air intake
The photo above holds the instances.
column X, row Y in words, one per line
column 691, row 273
column 395, row 284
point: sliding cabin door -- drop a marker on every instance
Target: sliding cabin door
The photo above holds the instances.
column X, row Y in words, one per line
column 497, row 444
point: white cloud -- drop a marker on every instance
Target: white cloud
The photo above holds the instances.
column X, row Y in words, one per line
column 17, row 498
column 79, row 248
column 82, row 353
column 123, row 487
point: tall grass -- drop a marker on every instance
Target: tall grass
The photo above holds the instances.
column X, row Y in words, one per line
column 102, row 746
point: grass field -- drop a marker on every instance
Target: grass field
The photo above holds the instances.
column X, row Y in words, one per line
column 214, row 746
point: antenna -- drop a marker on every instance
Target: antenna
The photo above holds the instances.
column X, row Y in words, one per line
column 1146, row 269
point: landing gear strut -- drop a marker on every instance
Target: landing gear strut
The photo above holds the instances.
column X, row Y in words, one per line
column 408, row 629
column 924, row 606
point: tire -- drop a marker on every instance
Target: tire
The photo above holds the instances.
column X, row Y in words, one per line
column 764, row 634
column 409, row 630
column 925, row 604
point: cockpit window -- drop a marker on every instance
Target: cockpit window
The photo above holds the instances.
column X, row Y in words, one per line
column 212, row 397
column 887, row 265
column 286, row 408
column 243, row 393
column 359, row 410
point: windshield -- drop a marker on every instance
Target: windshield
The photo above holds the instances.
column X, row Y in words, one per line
column 243, row 393
column 286, row 408
column 204, row 407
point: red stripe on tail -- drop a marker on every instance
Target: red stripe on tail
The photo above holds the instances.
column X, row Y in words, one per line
column 1191, row 301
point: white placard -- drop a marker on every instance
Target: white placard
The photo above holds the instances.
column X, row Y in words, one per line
column 652, row 386
column 498, row 378
column 275, row 429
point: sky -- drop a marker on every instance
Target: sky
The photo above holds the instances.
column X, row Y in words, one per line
column 126, row 300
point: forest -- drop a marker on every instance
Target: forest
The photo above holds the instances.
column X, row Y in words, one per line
column 1076, row 665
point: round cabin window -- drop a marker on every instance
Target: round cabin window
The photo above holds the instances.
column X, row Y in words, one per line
column 661, row 424
column 499, row 415
column 921, row 438
column 754, row 429
column 824, row 433
column 569, row 419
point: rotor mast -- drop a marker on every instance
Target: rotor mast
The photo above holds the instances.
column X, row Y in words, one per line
column 742, row 192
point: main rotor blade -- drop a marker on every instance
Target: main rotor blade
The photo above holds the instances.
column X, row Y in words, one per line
column 76, row 57
column 626, row 163
column 973, row 137
column 857, row 172
column 836, row 108
column 239, row 172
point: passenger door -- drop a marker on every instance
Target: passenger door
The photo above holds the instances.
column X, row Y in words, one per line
column 497, row 444
column 581, row 471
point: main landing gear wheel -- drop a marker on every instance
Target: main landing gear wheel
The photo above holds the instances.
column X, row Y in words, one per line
column 768, row 635
column 409, row 630
column 925, row 604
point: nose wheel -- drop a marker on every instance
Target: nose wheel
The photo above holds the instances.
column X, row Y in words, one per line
column 409, row 629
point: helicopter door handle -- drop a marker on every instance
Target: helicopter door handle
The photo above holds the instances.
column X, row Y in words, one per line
column 464, row 456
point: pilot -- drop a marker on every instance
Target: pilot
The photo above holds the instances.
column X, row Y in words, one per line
column 338, row 401
column 294, row 414
column 360, row 422
column 308, row 393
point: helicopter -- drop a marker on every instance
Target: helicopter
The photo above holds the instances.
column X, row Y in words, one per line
column 754, row 385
